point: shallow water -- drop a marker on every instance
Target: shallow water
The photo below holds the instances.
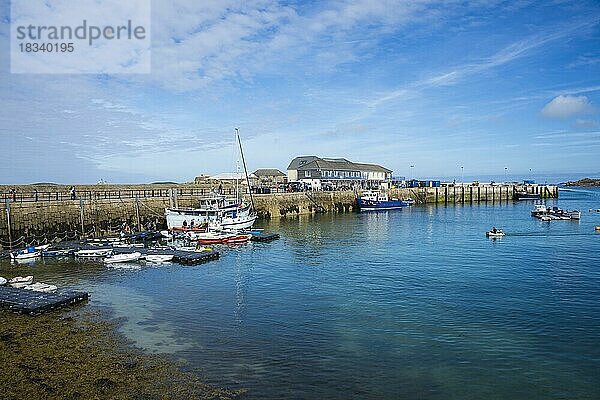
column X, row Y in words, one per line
column 407, row 304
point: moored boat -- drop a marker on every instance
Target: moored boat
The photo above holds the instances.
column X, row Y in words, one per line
column 159, row 258
column 408, row 202
column 214, row 237
column 58, row 253
column 41, row 287
column 20, row 281
column 239, row 238
column 216, row 210
column 2, row 281
column 539, row 210
column 123, row 258
column 526, row 196
column 222, row 237
column 25, row 254
column 373, row 201
column 546, row 213
column 93, row 253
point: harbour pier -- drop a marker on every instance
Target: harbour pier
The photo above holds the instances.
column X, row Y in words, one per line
column 41, row 214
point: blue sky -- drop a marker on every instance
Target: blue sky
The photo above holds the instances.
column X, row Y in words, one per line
column 434, row 84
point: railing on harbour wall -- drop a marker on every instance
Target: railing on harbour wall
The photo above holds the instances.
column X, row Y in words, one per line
column 41, row 196
column 23, row 197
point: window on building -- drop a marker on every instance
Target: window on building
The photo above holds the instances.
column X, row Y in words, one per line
column 307, row 174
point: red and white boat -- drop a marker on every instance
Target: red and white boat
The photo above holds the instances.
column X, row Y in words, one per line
column 239, row 238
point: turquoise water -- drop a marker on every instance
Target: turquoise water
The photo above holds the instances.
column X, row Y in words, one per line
column 407, row 304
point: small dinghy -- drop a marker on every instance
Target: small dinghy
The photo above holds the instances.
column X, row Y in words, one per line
column 214, row 237
column 545, row 218
column 21, row 281
column 41, row 287
column 495, row 233
column 94, row 253
column 123, row 258
column 3, row 281
column 159, row 258
column 237, row 239
column 25, row 254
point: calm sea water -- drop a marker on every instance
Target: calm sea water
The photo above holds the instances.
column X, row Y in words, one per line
column 410, row 304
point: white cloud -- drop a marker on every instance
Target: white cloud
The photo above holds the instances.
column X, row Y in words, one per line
column 565, row 106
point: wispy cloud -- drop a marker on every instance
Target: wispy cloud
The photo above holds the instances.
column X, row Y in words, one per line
column 505, row 55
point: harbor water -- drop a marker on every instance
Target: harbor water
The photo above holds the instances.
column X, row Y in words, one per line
column 408, row 304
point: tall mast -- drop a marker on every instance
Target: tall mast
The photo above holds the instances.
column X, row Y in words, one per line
column 237, row 133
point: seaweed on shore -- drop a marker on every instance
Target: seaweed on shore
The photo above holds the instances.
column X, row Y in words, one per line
column 79, row 356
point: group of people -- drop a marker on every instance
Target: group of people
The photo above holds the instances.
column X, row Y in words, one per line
column 191, row 226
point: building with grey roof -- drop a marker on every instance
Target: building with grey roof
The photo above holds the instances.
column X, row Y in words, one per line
column 336, row 172
column 269, row 177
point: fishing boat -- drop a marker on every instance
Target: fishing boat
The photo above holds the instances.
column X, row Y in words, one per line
column 554, row 213
column 20, row 281
column 373, row 200
column 495, row 233
column 93, row 253
column 123, row 258
column 41, row 287
column 526, row 196
column 216, row 210
column 539, row 210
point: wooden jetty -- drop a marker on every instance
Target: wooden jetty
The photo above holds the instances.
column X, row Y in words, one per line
column 194, row 257
column 25, row 301
column 264, row 237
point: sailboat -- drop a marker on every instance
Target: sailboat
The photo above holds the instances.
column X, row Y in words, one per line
column 216, row 212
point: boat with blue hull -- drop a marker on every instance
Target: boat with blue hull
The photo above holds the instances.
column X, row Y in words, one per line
column 373, row 201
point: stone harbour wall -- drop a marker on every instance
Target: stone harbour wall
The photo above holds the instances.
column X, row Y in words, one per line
column 96, row 213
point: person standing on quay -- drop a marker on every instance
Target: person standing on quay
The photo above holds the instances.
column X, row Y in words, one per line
column 35, row 195
column 72, row 191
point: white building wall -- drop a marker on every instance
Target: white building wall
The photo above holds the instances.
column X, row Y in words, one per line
column 292, row 175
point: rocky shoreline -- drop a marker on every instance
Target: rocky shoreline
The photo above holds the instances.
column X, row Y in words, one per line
column 79, row 355
column 585, row 182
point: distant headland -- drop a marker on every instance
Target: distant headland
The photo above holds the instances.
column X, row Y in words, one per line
column 585, row 182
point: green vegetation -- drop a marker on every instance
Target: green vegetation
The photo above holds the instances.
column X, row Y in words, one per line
column 585, row 182
column 79, row 356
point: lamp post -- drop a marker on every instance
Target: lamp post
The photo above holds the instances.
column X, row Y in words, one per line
column 462, row 176
column 505, row 174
